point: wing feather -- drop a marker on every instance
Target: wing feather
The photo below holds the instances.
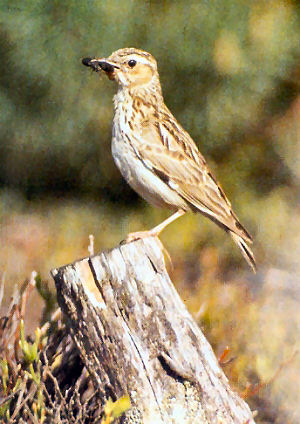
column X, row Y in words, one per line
column 169, row 150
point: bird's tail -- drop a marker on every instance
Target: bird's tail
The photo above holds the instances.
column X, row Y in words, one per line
column 245, row 249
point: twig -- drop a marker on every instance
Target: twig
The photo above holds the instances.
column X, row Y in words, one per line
column 20, row 397
column 34, row 420
column 7, row 398
column 20, row 404
column 252, row 390
column 2, row 287
column 91, row 245
column 54, row 317
column 49, row 374
column 27, row 292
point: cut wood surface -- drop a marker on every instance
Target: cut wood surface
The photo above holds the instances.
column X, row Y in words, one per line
column 135, row 336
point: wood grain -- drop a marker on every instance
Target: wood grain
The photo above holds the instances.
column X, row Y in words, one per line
column 136, row 336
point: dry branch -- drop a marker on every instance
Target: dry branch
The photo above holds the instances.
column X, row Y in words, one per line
column 135, row 336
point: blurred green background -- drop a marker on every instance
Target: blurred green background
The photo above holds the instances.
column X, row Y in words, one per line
column 230, row 72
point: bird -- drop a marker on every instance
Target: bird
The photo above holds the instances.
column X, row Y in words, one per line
column 155, row 155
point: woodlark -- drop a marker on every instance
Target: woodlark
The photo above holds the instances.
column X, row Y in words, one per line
column 155, row 155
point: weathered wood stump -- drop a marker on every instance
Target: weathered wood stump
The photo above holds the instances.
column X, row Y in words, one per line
column 136, row 336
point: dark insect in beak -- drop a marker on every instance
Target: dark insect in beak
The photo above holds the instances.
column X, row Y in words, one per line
column 96, row 65
column 86, row 61
column 92, row 63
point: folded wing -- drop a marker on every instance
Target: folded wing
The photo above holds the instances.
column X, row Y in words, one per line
column 179, row 163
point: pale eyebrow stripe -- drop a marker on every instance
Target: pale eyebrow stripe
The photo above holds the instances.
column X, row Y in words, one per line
column 139, row 58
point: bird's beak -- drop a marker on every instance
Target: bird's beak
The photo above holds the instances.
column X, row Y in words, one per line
column 101, row 65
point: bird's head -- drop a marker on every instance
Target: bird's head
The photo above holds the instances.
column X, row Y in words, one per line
column 130, row 67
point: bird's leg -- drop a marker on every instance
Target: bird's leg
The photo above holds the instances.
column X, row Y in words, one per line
column 158, row 229
column 154, row 232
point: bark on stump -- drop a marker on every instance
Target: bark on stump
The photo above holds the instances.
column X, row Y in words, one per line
column 136, row 336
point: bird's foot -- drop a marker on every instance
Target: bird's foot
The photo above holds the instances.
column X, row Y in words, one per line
column 139, row 235
column 144, row 234
column 154, row 232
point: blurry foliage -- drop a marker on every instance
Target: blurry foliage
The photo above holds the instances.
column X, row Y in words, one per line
column 225, row 67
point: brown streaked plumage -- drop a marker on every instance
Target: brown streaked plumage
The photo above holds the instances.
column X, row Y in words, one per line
column 155, row 155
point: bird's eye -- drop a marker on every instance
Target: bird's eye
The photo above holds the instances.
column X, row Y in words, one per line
column 132, row 63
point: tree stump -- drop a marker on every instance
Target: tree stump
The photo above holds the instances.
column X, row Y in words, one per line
column 135, row 336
